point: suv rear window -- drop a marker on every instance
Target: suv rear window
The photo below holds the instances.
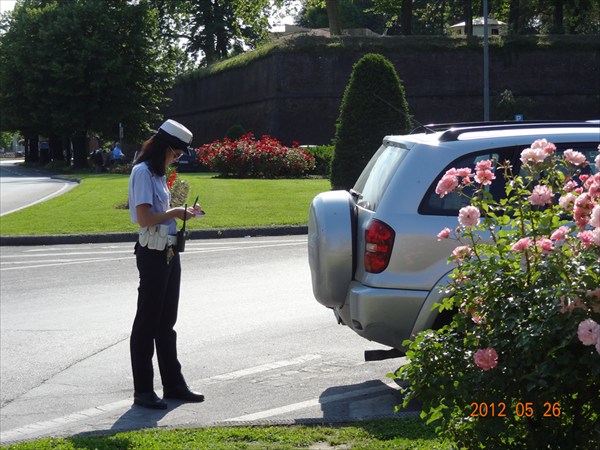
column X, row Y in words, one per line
column 376, row 176
column 449, row 205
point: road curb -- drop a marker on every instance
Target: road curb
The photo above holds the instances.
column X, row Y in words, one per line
column 215, row 233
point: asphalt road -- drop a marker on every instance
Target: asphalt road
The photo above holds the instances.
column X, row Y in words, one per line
column 251, row 338
column 21, row 187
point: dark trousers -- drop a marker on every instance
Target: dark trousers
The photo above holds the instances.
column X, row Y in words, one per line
column 158, row 299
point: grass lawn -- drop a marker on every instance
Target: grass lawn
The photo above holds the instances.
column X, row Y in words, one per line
column 92, row 207
column 384, row 434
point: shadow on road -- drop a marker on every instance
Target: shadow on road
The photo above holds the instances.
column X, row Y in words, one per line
column 137, row 418
column 368, row 400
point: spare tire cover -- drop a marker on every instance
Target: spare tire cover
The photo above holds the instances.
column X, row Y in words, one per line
column 330, row 244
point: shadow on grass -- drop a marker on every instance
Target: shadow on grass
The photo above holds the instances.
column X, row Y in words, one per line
column 135, row 418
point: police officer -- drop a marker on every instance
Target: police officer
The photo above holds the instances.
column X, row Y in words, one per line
column 159, row 268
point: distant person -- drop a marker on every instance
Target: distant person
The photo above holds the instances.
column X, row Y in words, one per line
column 117, row 155
column 158, row 263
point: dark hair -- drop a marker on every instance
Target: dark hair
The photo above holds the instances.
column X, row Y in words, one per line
column 154, row 151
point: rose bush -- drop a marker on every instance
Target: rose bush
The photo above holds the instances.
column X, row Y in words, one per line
column 249, row 157
column 519, row 365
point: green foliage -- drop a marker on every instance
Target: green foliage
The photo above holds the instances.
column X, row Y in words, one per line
column 323, row 155
column 212, row 31
column 513, row 369
column 353, row 14
column 235, row 132
column 77, row 68
column 374, row 105
column 6, row 140
column 523, row 17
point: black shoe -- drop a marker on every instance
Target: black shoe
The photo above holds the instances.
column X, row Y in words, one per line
column 183, row 393
column 149, row 400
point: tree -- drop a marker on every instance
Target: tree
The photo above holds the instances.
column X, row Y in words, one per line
column 333, row 13
column 374, row 105
column 397, row 13
column 352, row 14
column 212, row 29
column 82, row 67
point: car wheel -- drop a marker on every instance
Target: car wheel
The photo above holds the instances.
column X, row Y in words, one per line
column 330, row 246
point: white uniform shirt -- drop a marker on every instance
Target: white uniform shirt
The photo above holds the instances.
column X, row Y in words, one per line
column 147, row 188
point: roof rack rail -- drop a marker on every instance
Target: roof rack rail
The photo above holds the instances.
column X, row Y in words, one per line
column 455, row 130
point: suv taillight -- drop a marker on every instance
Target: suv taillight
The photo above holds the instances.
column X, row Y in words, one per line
column 379, row 241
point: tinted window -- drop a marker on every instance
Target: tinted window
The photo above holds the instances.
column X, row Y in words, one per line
column 374, row 180
column 433, row 204
column 449, row 205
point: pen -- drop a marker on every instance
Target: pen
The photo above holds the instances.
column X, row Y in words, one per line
column 196, row 201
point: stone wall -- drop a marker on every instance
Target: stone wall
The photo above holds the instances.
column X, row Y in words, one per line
column 294, row 93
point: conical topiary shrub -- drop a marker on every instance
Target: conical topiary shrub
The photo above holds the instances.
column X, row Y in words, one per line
column 374, row 105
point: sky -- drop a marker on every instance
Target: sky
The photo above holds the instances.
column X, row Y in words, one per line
column 7, row 5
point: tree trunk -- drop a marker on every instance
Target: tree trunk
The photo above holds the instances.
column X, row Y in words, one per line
column 56, row 149
column 468, row 11
column 333, row 14
column 68, row 150
column 80, row 150
column 513, row 16
column 406, row 18
column 32, row 152
column 558, row 17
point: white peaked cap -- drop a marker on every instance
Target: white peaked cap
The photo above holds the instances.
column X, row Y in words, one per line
column 175, row 134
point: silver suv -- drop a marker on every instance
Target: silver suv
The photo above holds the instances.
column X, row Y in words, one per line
column 374, row 255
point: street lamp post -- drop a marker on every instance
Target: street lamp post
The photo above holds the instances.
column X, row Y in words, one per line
column 486, row 65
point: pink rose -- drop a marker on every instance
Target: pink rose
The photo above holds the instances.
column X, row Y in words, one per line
column 588, row 332
column 584, row 201
column 545, row 244
column 544, row 145
column 596, row 237
column 595, row 217
column 446, row 185
column 592, row 184
column 569, row 186
column 583, row 209
column 593, row 293
column 444, row 233
column 576, row 158
column 560, row 233
column 597, row 161
column 462, row 252
column 541, row 195
column 484, row 165
column 534, row 156
column 587, row 238
column 464, row 172
column 485, row 177
column 468, row 216
column 521, row 245
column 567, row 201
column 486, row 358
column 568, row 306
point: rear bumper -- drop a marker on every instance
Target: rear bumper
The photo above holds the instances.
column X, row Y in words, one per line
column 386, row 316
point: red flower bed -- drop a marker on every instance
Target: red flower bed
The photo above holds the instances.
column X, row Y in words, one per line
column 171, row 176
column 251, row 158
